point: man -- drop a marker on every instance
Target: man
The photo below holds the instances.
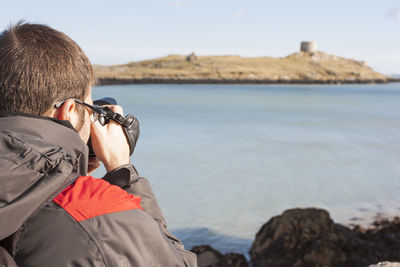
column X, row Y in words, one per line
column 51, row 212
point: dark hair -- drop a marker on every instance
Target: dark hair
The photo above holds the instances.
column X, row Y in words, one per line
column 39, row 66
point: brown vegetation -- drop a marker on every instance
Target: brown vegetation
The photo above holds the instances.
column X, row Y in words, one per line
column 299, row 67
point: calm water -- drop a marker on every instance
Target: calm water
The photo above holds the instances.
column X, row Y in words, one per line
column 223, row 159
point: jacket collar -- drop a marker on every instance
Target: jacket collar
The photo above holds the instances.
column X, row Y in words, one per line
column 51, row 130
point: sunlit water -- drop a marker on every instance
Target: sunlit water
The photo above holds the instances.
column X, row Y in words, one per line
column 223, row 159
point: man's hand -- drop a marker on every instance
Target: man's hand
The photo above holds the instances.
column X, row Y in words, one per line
column 109, row 142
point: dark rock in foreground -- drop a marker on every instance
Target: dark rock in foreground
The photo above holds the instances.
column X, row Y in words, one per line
column 309, row 237
column 386, row 264
column 209, row 257
column 385, row 237
column 236, row 260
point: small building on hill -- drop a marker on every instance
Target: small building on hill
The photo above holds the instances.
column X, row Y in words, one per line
column 192, row 57
column 308, row 47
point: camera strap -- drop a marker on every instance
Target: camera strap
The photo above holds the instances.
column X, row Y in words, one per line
column 129, row 124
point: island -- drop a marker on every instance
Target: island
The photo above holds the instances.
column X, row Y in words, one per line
column 306, row 66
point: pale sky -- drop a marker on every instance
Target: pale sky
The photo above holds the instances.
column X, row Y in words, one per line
column 122, row 31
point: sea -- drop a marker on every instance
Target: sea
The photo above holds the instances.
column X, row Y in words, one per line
column 224, row 159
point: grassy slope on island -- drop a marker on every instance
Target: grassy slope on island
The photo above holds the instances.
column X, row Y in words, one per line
column 315, row 67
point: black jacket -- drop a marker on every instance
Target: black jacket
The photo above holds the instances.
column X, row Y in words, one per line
column 51, row 214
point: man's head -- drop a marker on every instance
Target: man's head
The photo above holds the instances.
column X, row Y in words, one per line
column 40, row 66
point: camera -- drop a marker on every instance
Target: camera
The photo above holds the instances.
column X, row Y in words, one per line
column 129, row 123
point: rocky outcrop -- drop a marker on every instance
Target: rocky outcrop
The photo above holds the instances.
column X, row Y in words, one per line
column 309, row 237
column 386, row 264
column 236, row 260
column 209, row 257
column 384, row 236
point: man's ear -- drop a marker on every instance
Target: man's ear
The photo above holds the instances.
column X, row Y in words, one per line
column 66, row 111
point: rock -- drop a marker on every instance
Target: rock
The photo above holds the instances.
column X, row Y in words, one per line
column 209, row 257
column 385, row 236
column 386, row 264
column 309, row 237
column 236, row 260
column 330, row 72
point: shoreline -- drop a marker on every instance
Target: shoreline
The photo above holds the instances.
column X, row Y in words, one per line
column 120, row 81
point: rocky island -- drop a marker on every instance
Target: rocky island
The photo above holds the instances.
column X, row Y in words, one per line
column 307, row 66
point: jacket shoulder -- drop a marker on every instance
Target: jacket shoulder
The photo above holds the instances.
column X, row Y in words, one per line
column 89, row 197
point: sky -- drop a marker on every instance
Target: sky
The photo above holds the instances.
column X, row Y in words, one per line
column 119, row 32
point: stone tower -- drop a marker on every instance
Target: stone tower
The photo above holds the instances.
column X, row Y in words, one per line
column 309, row 47
column 192, row 57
